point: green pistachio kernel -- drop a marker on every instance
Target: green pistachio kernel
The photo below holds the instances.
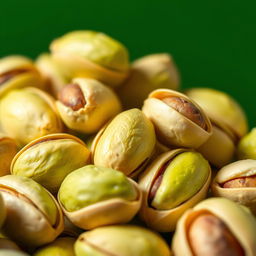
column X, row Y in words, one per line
column 182, row 179
column 92, row 184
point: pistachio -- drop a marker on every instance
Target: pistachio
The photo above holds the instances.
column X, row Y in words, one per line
column 86, row 105
column 117, row 240
column 33, row 216
column 94, row 196
column 126, row 143
column 47, row 159
column 27, row 114
column 178, row 120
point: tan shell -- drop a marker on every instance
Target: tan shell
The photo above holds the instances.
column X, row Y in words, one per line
column 240, row 221
column 172, row 128
column 108, row 212
column 244, row 196
column 165, row 220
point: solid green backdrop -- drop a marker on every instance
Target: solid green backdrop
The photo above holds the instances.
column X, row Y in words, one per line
column 213, row 42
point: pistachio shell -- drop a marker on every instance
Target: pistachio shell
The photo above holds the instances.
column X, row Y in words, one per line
column 173, row 128
column 221, row 108
column 165, row 220
column 126, row 143
column 62, row 246
column 101, row 104
column 47, row 159
column 8, row 149
column 6, row 252
column 242, row 195
column 91, row 54
column 18, row 72
column 51, row 73
column 147, row 74
column 247, row 146
column 241, row 223
column 101, row 196
column 121, row 240
column 33, row 217
column 27, row 114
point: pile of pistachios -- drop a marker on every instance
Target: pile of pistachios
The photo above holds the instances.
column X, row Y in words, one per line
column 100, row 157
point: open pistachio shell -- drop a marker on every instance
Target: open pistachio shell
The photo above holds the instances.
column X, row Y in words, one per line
column 18, row 72
column 51, row 73
column 235, row 176
column 122, row 241
column 147, row 74
column 86, row 105
column 27, row 114
column 221, row 108
column 62, row 246
column 186, row 177
column 49, row 159
column 126, row 143
column 173, row 128
column 239, row 220
column 95, row 196
column 91, row 54
column 7, row 252
column 8, row 149
column 247, row 146
column 6, row 243
column 219, row 149
column 33, row 216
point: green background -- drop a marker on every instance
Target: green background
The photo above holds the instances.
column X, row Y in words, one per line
column 212, row 41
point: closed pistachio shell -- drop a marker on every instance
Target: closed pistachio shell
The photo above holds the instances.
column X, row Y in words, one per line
column 49, row 159
column 62, row 246
column 178, row 120
column 174, row 182
column 221, row 108
column 240, row 222
column 247, row 146
column 8, row 149
column 147, row 74
column 86, row 105
column 51, row 73
column 94, row 196
column 126, row 143
column 121, row 240
column 231, row 182
column 27, row 114
column 18, row 72
column 91, row 54
column 7, row 252
column 33, row 216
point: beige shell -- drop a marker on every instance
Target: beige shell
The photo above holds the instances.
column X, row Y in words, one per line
column 240, row 221
column 172, row 128
column 165, row 220
column 108, row 212
column 245, row 196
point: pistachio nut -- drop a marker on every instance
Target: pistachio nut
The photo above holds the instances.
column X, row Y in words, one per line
column 221, row 109
column 50, row 71
column 18, row 72
column 8, row 149
column 86, row 105
column 6, row 243
column 33, row 215
column 95, row 196
column 62, row 246
column 147, row 74
column 7, row 252
column 237, row 182
column 49, row 159
column 174, row 182
column 246, row 148
column 27, row 114
column 126, row 143
column 177, row 119
column 91, row 54
column 121, row 241
column 216, row 227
